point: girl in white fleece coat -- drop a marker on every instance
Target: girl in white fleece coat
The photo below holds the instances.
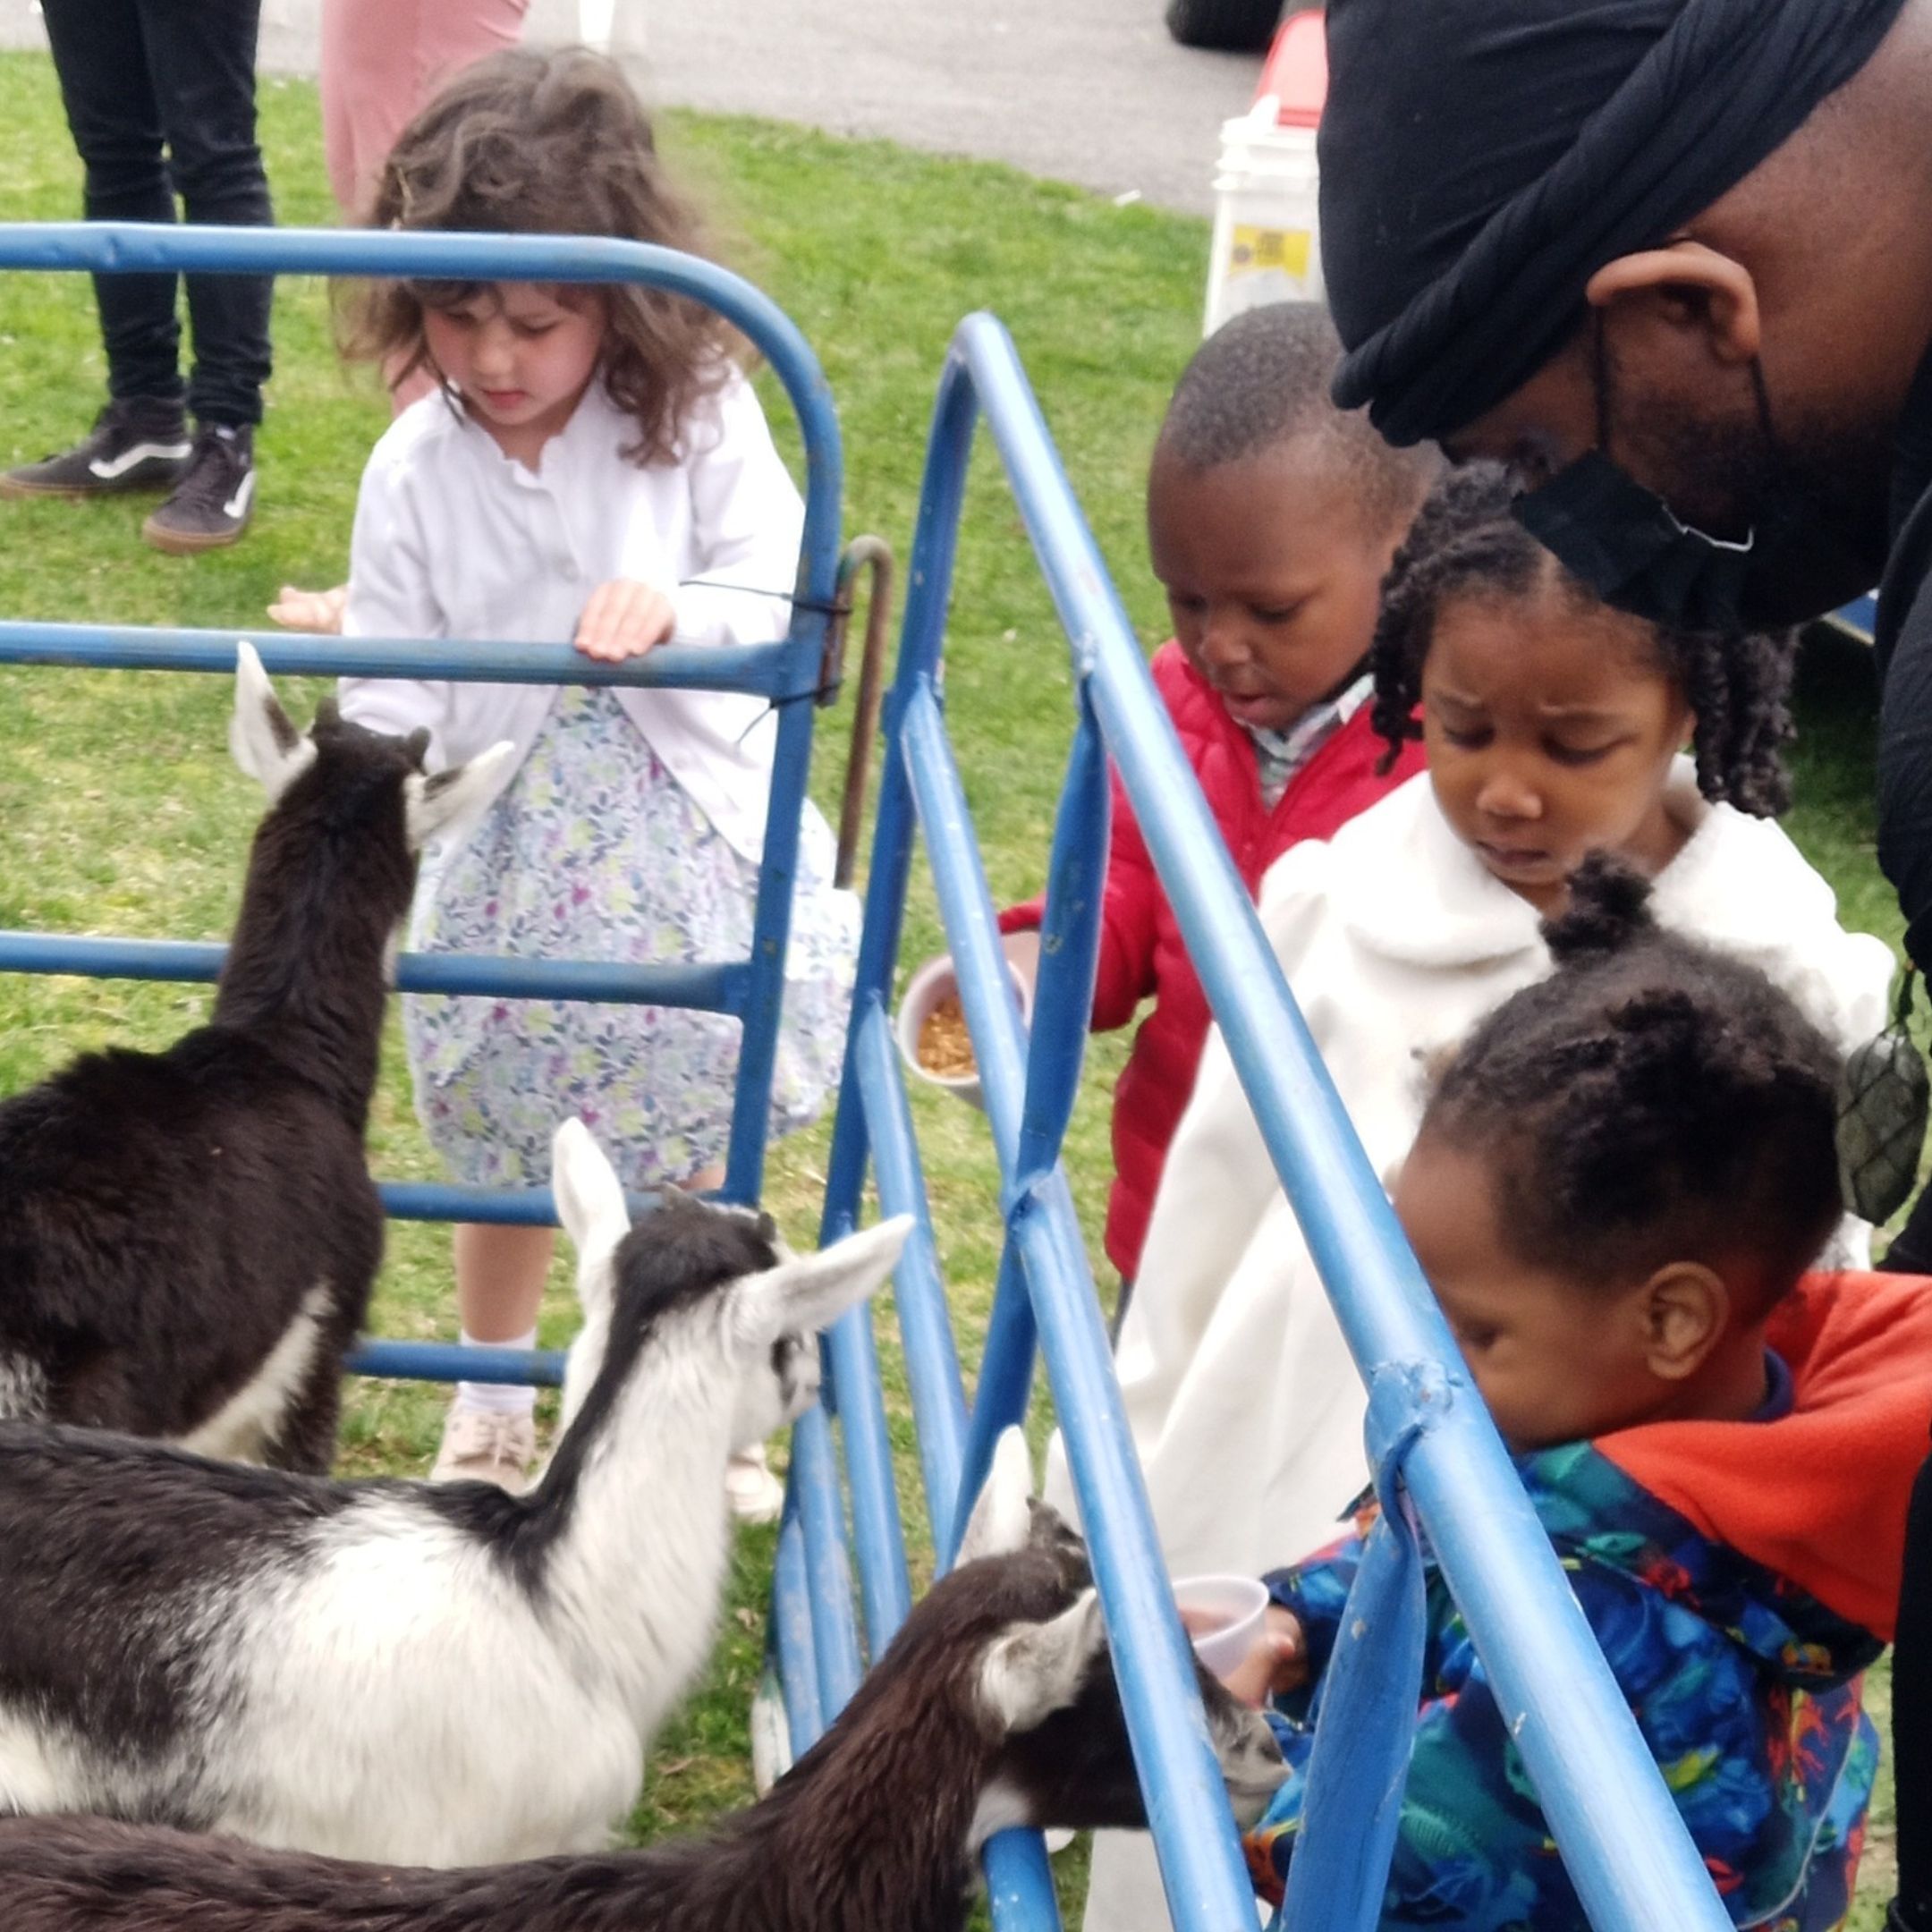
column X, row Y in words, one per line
column 1552, row 726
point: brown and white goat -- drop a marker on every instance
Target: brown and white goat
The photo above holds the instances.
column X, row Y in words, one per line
column 995, row 1706
column 187, row 1238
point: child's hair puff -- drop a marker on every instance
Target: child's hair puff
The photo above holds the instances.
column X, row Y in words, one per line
column 532, row 143
column 1655, row 1099
column 1466, row 544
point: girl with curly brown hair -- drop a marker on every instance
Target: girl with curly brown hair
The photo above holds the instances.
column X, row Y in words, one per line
column 592, row 466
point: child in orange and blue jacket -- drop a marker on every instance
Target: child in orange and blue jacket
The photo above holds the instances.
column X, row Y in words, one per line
column 1616, row 1191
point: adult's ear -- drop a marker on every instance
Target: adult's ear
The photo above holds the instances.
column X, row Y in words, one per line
column 1686, row 1312
column 1689, row 285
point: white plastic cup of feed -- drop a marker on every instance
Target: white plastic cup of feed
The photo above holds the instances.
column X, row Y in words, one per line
column 935, row 981
column 1223, row 1616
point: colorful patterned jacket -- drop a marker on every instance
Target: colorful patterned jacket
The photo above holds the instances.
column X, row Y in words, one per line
column 1738, row 1576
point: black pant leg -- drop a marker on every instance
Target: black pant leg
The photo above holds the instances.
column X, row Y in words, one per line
column 1912, row 1717
column 108, row 94
column 201, row 55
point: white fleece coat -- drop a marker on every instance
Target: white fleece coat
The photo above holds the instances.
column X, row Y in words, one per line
column 1245, row 1405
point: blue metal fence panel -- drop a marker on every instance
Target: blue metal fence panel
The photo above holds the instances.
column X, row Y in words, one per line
column 1047, row 1284
column 764, row 670
column 1633, row 1863
column 1430, row 1442
column 790, row 673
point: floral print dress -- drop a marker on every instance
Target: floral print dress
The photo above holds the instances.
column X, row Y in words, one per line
column 594, row 852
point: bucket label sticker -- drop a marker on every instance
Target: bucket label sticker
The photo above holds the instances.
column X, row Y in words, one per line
column 1255, row 248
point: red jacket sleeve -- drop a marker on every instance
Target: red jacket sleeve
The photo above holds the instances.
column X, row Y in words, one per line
column 1129, row 913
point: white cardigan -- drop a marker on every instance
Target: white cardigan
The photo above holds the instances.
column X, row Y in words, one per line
column 454, row 539
column 1244, row 1402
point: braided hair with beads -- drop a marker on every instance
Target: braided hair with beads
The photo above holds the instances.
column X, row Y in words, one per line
column 1466, row 544
column 1655, row 1099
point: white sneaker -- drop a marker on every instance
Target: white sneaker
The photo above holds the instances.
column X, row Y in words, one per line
column 486, row 1446
column 755, row 1494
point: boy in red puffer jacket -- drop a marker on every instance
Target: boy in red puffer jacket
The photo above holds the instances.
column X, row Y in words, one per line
column 1272, row 516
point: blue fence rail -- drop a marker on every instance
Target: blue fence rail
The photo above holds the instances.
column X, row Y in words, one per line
column 1439, row 1462
column 790, row 675
column 1439, row 1465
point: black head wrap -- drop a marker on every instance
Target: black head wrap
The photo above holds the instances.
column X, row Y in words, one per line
column 1481, row 159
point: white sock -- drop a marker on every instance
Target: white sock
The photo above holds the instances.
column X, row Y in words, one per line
column 498, row 1398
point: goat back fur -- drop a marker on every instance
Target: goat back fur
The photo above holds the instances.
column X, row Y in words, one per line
column 877, row 1826
column 187, row 1238
column 435, row 1674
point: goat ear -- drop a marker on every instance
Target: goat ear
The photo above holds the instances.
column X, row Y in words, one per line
column 446, row 801
column 589, row 1201
column 591, row 1204
column 1002, row 1520
column 807, row 1292
column 1038, row 1668
column 264, row 743
column 1047, row 1526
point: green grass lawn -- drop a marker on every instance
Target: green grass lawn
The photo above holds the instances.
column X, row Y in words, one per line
column 119, row 811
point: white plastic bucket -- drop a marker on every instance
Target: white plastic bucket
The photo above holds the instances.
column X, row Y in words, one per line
column 1266, row 245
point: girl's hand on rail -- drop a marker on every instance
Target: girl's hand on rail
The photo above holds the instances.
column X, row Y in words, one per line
column 623, row 619
column 1276, row 1662
column 319, row 611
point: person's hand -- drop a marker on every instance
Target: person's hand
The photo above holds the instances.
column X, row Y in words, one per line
column 1276, row 1661
column 320, row 611
column 623, row 619
column 1023, row 951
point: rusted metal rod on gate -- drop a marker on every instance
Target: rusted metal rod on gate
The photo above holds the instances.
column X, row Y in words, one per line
column 873, row 552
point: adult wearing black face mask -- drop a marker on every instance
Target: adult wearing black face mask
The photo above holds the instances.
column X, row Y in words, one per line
column 1672, row 260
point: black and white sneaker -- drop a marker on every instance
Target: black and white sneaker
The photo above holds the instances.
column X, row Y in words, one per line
column 211, row 503
column 135, row 443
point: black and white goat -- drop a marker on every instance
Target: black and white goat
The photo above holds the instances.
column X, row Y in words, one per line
column 995, row 1706
column 433, row 1674
column 187, row 1238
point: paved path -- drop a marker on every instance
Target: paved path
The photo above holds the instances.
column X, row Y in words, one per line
column 1083, row 90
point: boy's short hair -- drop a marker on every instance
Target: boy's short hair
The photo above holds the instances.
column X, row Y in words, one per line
column 1261, row 380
